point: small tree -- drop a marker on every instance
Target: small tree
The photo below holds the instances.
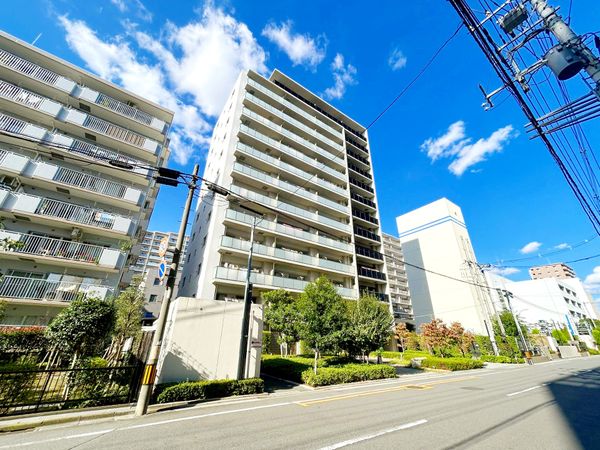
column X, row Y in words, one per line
column 402, row 334
column 369, row 326
column 466, row 342
column 509, row 324
column 324, row 316
column 282, row 315
column 561, row 336
column 436, row 336
column 82, row 328
column 455, row 334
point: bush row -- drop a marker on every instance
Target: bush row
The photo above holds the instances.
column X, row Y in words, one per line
column 201, row 390
column 451, row 363
column 349, row 373
column 501, row 359
column 291, row 368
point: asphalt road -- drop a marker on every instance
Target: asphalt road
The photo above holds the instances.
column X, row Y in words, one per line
column 547, row 406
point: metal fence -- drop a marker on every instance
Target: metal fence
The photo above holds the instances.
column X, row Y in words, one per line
column 28, row 391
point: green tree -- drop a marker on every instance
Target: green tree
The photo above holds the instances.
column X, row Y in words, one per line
column 2, row 307
column 369, row 326
column 282, row 315
column 324, row 317
column 83, row 328
column 509, row 324
column 596, row 335
column 562, row 336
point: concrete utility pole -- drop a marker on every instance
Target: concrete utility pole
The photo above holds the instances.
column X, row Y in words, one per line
column 150, row 368
column 566, row 36
column 517, row 324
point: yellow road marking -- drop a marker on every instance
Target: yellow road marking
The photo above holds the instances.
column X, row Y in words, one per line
column 420, row 387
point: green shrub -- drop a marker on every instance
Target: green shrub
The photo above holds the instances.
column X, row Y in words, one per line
column 291, row 368
column 16, row 383
column 596, row 335
column 485, row 345
column 451, row 363
column 501, row 359
column 349, row 373
column 593, row 352
column 266, row 342
column 205, row 389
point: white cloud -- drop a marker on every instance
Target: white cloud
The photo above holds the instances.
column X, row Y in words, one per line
column 504, row 271
column 592, row 282
column 140, row 9
column 531, row 247
column 301, row 48
column 397, row 60
column 562, row 246
column 120, row 4
column 455, row 144
column 343, row 76
column 190, row 70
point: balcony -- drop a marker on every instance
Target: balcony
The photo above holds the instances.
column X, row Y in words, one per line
column 359, row 158
column 364, row 173
column 287, row 255
column 294, row 108
column 361, row 185
column 271, row 281
column 371, row 273
column 357, row 144
column 366, row 234
column 289, row 187
column 291, row 152
column 66, row 214
column 363, row 251
column 42, row 173
column 65, row 253
column 364, row 216
column 62, row 143
column 289, row 231
column 300, row 212
column 22, row 98
column 20, row 288
column 363, row 200
column 257, row 154
column 378, row 295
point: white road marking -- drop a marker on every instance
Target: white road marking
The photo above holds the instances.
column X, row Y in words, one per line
column 62, row 438
column 374, row 435
column 525, row 390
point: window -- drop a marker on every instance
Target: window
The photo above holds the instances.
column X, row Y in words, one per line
column 183, row 282
column 156, row 281
column 199, row 267
column 204, row 241
column 153, row 298
column 193, row 235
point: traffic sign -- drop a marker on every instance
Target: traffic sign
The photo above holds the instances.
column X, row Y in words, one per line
column 163, row 246
column 162, row 269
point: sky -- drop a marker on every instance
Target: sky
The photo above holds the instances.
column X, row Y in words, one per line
column 436, row 141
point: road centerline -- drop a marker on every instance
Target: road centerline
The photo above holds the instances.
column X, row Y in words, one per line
column 374, row 435
column 512, row 394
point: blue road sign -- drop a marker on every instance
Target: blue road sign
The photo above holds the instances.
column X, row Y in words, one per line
column 162, row 270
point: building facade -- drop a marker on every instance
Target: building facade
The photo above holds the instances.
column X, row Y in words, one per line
column 306, row 167
column 146, row 267
column 75, row 195
column 435, row 238
column 559, row 270
column 397, row 280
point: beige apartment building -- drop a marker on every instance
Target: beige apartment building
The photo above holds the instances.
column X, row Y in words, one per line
column 558, row 270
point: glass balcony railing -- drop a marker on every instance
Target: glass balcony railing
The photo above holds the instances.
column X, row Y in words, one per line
column 288, row 230
column 368, row 252
column 364, row 173
column 364, row 216
column 272, row 281
column 358, row 157
column 357, row 144
column 363, row 200
column 371, row 273
column 361, row 185
column 290, row 208
column 288, row 187
column 366, row 234
column 50, row 290
column 292, row 152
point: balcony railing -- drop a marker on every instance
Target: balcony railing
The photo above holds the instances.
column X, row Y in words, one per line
column 58, row 291
column 363, row 200
column 114, row 131
column 56, row 248
column 11, row 124
column 288, row 187
column 124, row 109
column 20, row 95
column 229, row 274
column 285, row 254
column 90, row 183
column 357, row 144
column 364, row 216
column 27, row 68
column 361, row 185
column 364, row 173
column 289, row 231
column 366, row 234
column 368, row 252
column 371, row 273
column 75, row 213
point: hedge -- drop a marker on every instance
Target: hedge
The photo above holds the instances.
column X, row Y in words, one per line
column 205, row 389
column 408, row 354
column 349, row 373
column 451, row 363
column 291, row 368
column 501, row 359
column 593, row 352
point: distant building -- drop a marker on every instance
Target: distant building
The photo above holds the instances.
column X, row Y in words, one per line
column 559, row 270
column 435, row 238
column 71, row 217
column 397, row 279
column 146, row 267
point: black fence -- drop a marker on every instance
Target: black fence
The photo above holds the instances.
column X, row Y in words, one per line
column 28, row 391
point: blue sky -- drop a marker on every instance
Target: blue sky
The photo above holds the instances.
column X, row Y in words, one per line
column 186, row 55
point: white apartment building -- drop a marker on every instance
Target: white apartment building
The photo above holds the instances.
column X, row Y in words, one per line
column 306, row 167
column 397, row 279
column 69, row 217
column 436, row 238
column 146, row 267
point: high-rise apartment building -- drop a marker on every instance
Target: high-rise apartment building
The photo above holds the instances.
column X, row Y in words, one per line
column 75, row 191
column 306, row 168
column 435, row 238
column 559, row 270
column 146, row 267
column 397, row 279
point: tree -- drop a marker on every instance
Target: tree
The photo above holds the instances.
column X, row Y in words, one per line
column 436, row 336
column 561, row 336
column 369, row 326
column 455, row 334
column 282, row 315
column 466, row 342
column 324, row 317
column 402, row 334
column 2, row 308
column 129, row 311
column 596, row 335
column 82, row 328
column 509, row 324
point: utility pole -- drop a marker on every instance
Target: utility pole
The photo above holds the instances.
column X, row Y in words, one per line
column 149, row 376
column 517, row 324
column 489, row 291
